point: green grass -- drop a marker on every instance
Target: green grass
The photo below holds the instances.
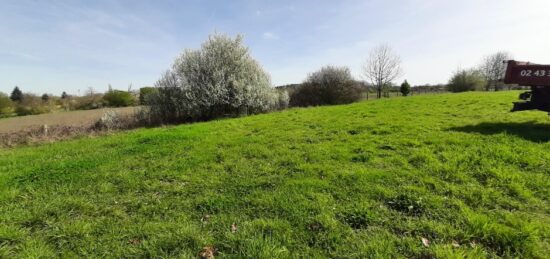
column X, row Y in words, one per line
column 354, row 181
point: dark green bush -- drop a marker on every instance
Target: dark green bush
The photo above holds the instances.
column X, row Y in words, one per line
column 144, row 92
column 16, row 95
column 328, row 86
column 87, row 102
column 117, row 98
column 6, row 105
column 466, row 80
column 405, row 88
column 31, row 105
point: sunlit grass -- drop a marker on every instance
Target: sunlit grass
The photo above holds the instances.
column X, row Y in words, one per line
column 363, row 180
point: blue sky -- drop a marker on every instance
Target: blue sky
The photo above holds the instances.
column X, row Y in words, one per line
column 54, row 46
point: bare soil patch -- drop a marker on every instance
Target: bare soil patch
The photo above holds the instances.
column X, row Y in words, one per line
column 67, row 119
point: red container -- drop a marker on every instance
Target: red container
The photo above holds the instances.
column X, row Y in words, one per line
column 527, row 74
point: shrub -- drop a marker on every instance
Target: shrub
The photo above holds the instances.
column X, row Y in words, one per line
column 330, row 85
column 466, row 80
column 220, row 79
column 117, row 98
column 6, row 105
column 91, row 100
column 31, row 105
column 167, row 104
column 144, row 92
column 405, row 88
column 88, row 102
column 16, row 95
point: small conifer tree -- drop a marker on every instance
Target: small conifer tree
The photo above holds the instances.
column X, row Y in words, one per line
column 16, row 95
column 405, row 88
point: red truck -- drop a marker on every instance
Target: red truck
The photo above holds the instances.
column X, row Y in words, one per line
column 537, row 77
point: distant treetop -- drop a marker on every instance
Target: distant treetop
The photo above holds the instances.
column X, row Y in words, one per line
column 16, row 95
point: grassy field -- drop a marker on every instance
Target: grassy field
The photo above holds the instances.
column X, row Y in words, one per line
column 72, row 118
column 367, row 180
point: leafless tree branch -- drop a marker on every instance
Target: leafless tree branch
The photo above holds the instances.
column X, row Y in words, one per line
column 493, row 69
column 382, row 67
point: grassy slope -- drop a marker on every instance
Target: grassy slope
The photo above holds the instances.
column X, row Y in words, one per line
column 362, row 180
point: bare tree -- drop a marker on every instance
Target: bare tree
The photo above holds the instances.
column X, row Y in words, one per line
column 493, row 69
column 90, row 91
column 382, row 67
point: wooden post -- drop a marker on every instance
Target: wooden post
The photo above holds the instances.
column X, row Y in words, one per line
column 45, row 130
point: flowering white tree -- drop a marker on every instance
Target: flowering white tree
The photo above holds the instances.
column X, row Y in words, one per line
column 219, row 79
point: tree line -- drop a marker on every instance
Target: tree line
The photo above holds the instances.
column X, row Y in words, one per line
column 486, row 76
column 19, row 103
column 222, row 79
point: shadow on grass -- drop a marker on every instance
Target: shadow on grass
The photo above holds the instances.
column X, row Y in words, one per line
column 532, row 131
